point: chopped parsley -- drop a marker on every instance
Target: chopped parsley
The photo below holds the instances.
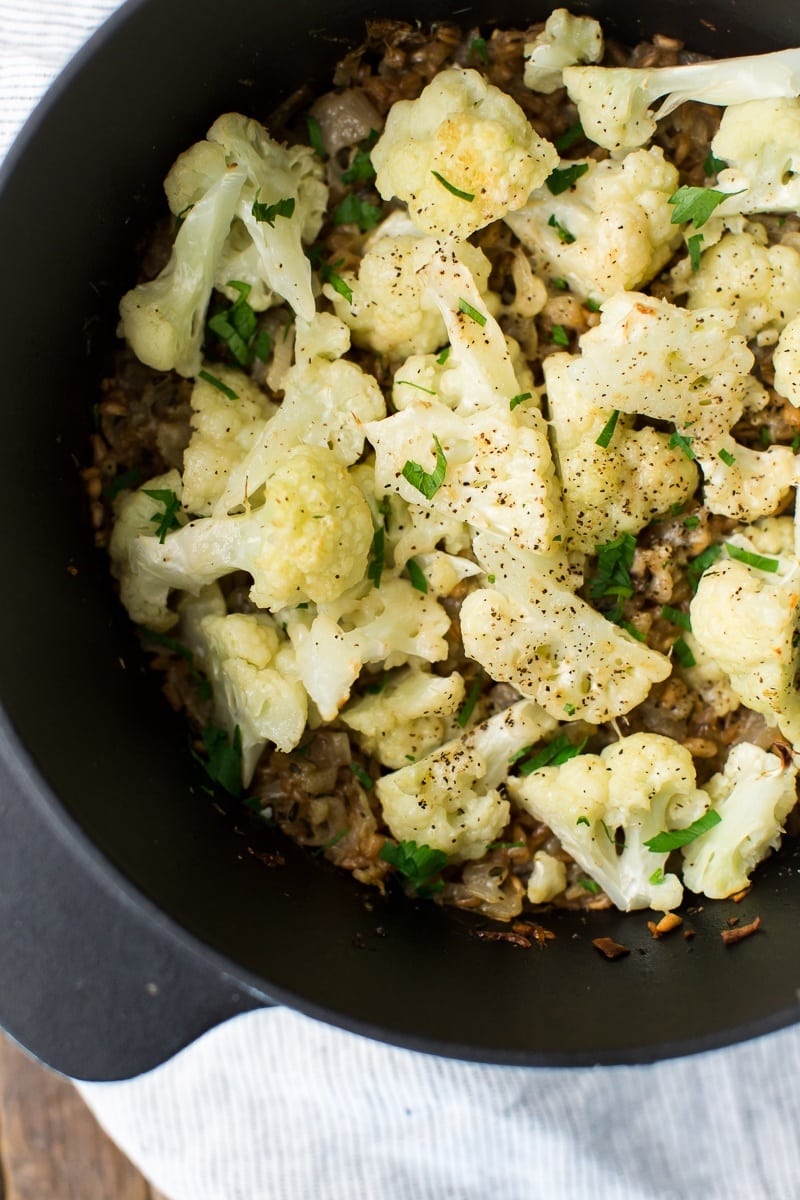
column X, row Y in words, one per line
column 223, row 758
column 796, row 443
column 680, row 441
column 592, row 305
column 559, row 335
column 562, row 178
column 561, row 284
column 691, row 522
column 589, row 885
column 315, row 137
column 567, row 139
column 479, row 48
column 269, row 213
column 375, row 568
column 416, row 575
column 443, row 356
column 418, row 386
column 361, row 169
column 700, row 564
column 694, row 246
column 696, row 204
column 564, row 235
column 353, row 210
column 683, row 653
column 673, row 839
column 677, row 617
column 219, row 385
column 583, row 821
column 468, row 310
column 427, row 482
column 362, row 776
column 605, row 437
column 176, row 647
column 167, row 520
column 765, row 435
column 128, row 479
column 519, row 399
column 237, row 327
column 327, row 273
column 451, row 187
column 613, row 579
column 471, row 699
column 559, row 751
column 570, row 709
column 657, row 877
column 418, row 864
column 753, row 560
column 713, row 165
column 728, row 458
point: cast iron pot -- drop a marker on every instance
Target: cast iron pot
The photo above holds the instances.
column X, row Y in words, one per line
column 135, row 913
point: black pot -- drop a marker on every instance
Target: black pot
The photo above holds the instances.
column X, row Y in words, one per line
column 134, row 912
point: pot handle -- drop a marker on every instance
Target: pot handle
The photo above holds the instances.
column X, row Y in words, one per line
column 92, row 986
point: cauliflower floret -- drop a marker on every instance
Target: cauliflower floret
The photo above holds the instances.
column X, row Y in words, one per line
column 143, row 593
column 611, row 231
column 449, row 800
column 614, row 103
column 652, row 358
column 326, row 404
column 391, row 311
column 308, row 540
column 223, row 431
column 605, row 808
column 275, row 173
column 547, row 879
column 164, row 320
column 392, row 624
column 753, row 796
column 255, row 687
column 463, row 132
column 760, row 143
column 743, row 483
column 564, row 41
column 746, row 619
column 407, row 718
column 707, row 679
column 615, row 488
column 531, row 631
column 761, row 283
column 786, row 361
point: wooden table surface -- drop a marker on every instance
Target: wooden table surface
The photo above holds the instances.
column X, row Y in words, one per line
column 51, row 1147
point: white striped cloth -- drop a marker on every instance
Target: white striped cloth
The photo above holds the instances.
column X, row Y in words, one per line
column 274, row 1106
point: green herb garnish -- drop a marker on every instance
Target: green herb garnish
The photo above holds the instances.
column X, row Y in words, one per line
column 592, row 305
column 589, row 885
column 468, row 310
column 691, row 522
column 218, row 384
column 559, row 335
column 315, row 137
column 568, row 138
column 657, row 877
column 375, row 568
column 679, row 441
column 337, row 837
column 418, row 864
column 713, row 165
column 696, row 204
column 673, row 839
column 506, row 846
column 479, row 48
column 613, row 579
column 753, row 560
column 693, row 245
column 418, row 386
column 677, row 617
column 361, row 169
column 427, row 482
column 700, row 564
column 468, row 707
column 355, row 211
column 236, row 327
column 362, row 776
column 583, row 821
column 564, row 235
column 520, row 399
column 443, row 356
column 167, row 520
column 728, row 458
column 683, row 653
column 451, row 187
column 559, row 751
column 570, row 709
column 415, row 574
column 605, row 437
column 562, row 178
column 176, row 647
column 223, row 760
column 269, row 213
column 128, row 479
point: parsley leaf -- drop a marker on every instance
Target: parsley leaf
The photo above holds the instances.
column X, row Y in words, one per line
column 237, row 325
column 696, row 204
column 327, row 273
column 562, row 178
column 268, row 213
column 713, row 165
column 315, row 137
column 443, row 356
column 673, row 839
column 589, row 885
column 559, row 335
column 418, row 864
column 559, row 751
column 564, row 235
column 176, row 647
column 361, row 169
column 567, row 139
column 355, row 211
column 613, row 579
column 607, row 433
column 427, row 482
column 451, row 187
column 128, row 479
column 223, row 761
column 479, row 48
column 167, row 520
column 693, row 245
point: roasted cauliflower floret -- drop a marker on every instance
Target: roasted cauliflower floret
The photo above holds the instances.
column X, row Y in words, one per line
column 461, row 155
column 786, row 361
column 407, row 718
column 605, row 808
column 761, row 283
column 143, row 593
column 564, row 41
column 610, row 231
